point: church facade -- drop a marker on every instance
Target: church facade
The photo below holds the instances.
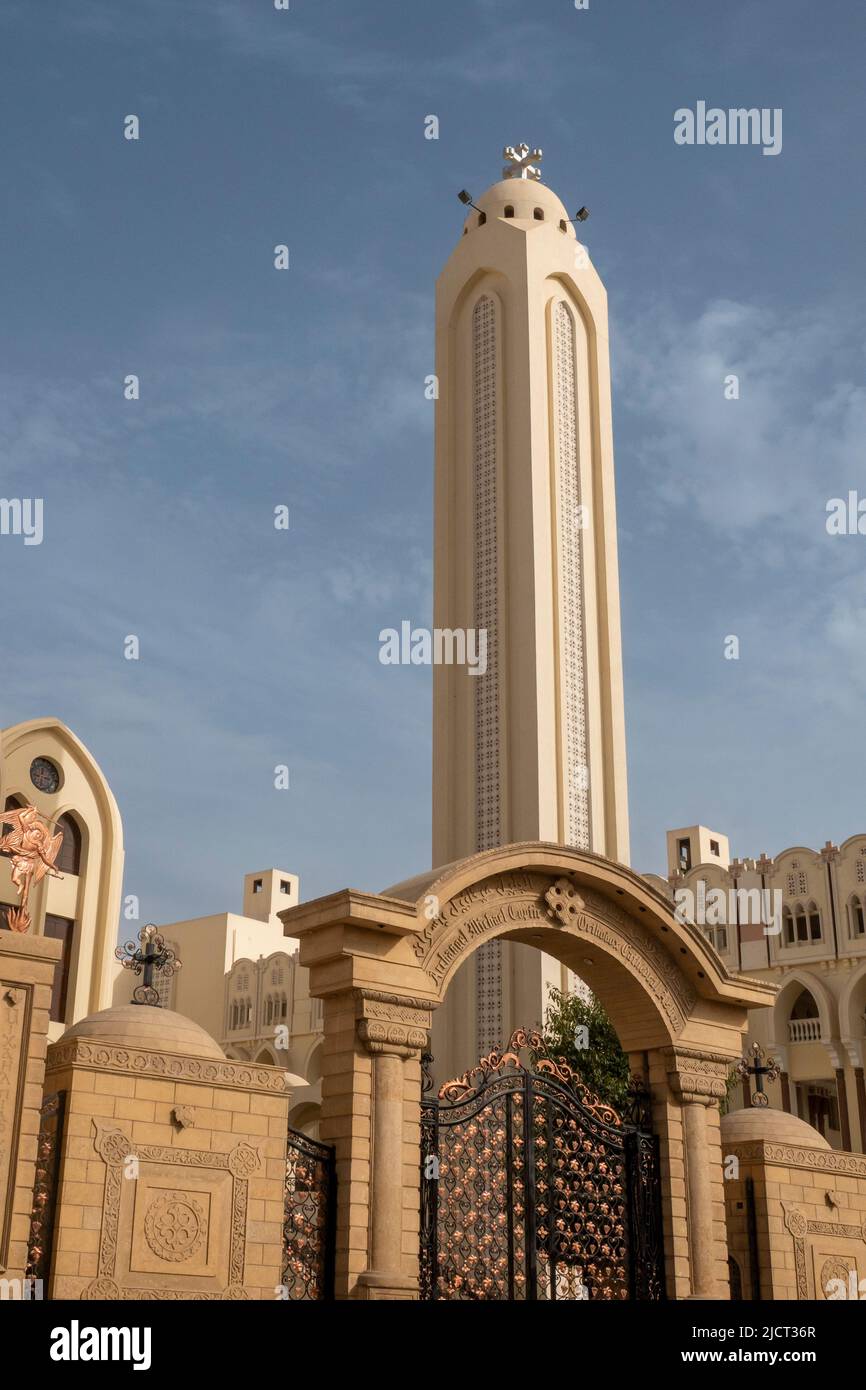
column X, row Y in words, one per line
column 807, row 936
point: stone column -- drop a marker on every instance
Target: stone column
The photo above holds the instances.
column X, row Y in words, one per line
column 844, row 1120
column 853, row 1052
column 785, row 1082
column 394, row 1031
column 698, row 1079
column 860, row 1086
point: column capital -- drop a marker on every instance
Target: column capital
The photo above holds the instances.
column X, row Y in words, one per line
column 855, row 1049
column 392, row 1023
column 695, row 1075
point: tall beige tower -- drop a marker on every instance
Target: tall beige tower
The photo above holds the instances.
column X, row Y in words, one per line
column 525, row 548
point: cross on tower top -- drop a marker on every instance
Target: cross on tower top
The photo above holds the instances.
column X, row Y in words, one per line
column 520, row 164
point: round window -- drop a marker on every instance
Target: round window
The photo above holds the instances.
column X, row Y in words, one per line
column 44, row 775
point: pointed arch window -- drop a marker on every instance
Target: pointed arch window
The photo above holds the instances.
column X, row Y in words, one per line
column 69, row 858
column 804, row 1023
column 13, row 803
column 856, row 916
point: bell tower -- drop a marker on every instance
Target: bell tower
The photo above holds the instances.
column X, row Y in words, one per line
column 525, row 548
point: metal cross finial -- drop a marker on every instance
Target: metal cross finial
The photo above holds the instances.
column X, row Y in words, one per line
column 155, row 956
column 754, row 1064
column 520, row 166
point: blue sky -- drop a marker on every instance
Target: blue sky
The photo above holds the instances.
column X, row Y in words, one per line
column 306, row 388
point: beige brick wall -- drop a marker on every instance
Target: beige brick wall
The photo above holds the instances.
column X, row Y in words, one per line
column 227, row 1167
column 810, row 1209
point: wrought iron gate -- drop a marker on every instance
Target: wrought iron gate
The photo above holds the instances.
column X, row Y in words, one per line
column 533, row 1188
column 308, row 1219
column 41, row 1241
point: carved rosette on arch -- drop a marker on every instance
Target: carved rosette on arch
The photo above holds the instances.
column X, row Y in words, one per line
column 522, row 899
column 697, row 1076
column 394, row 1023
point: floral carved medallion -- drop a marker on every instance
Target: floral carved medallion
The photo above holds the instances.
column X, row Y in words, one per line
column 175, row 1226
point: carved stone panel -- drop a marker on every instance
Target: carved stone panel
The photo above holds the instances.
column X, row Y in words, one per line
column 824, row 1252
column 173, row 1220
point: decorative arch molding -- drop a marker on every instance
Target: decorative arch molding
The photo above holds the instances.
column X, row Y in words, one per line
column 306, row 1117
column 802, row 852
column 561, row 901
column 85, row 794
column 847, row 1018
column 503, row 904
column 313, row 1060
column 17, row 735
column 794, row 982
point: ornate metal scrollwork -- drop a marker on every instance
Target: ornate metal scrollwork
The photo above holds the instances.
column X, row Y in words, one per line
column 45, row 1188
column 534, row 1188
column 308, row 1219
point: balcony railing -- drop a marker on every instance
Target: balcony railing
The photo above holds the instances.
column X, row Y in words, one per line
column 804, row 1030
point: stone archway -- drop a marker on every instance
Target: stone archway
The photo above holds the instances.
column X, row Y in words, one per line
column 382, row 963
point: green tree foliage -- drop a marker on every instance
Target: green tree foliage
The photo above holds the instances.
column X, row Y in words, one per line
column 601, row 1064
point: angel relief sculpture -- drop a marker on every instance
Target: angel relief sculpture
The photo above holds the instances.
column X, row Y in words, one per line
column 33, row 851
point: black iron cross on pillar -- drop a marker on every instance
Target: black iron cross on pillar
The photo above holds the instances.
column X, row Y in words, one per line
column 155, row 956
column 755, row 1064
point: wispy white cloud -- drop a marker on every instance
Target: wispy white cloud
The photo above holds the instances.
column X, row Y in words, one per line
column 759, row 468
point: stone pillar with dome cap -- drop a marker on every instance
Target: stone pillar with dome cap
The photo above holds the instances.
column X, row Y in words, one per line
column 172, row 1163
column 795, row 1210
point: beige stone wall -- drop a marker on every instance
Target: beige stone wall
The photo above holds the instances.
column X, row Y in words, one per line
column 172, row 1175
column 27, row 965
column 810, row 1216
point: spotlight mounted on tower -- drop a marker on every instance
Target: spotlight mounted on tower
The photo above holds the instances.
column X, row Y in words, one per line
column 580, row 216
column 466, row 197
